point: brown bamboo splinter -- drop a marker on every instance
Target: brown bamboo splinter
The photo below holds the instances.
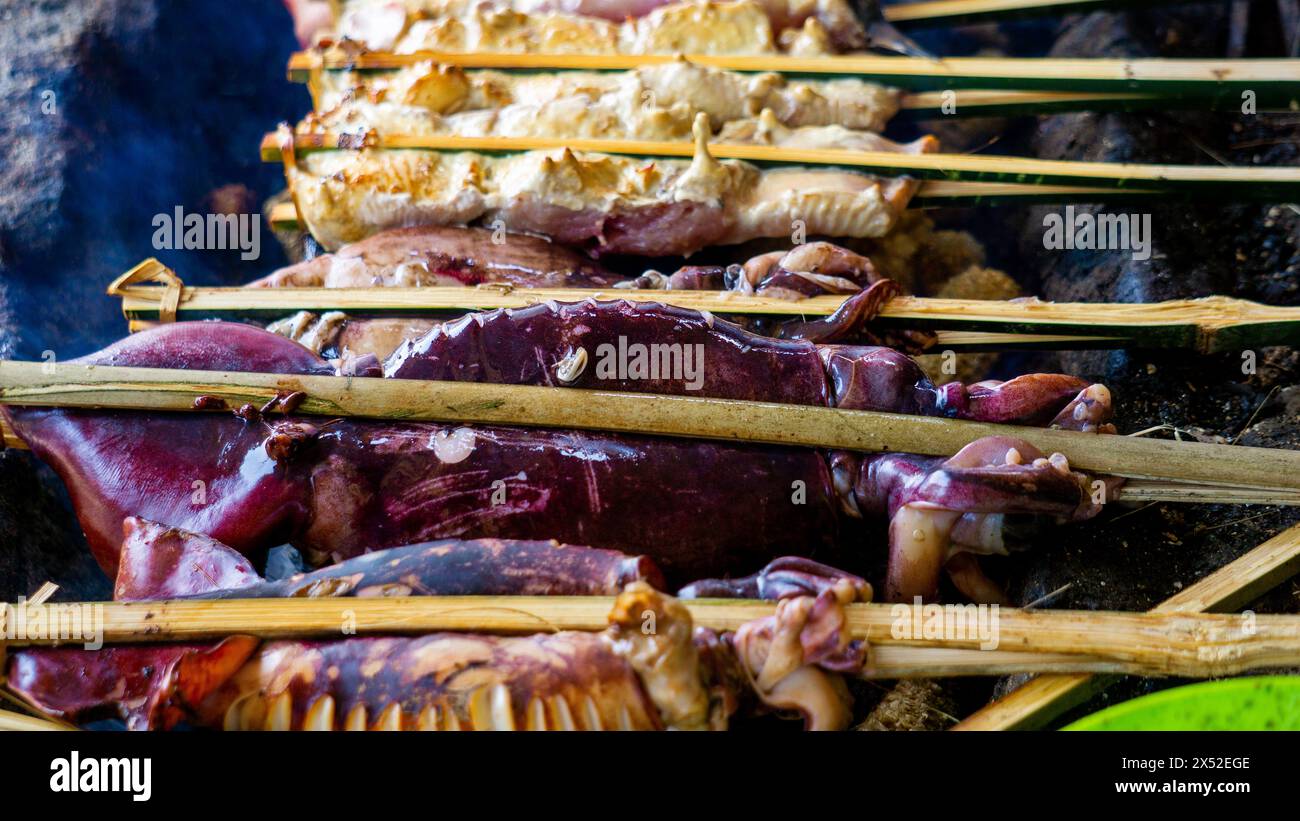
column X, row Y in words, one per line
column 163, row 389
column 1038, row 702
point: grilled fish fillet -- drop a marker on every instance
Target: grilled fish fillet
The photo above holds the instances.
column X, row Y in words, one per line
column 657, row 102
column 520, row 26
column 836, row 16
column 606, row 204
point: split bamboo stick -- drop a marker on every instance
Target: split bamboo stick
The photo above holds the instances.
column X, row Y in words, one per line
column 891, row 662
column 1253, row 182
column 1189, row 492
column 162, row 389
column 1209, row 324
column 977, row 102
column 1041, row 700
column 923, row 13
column 12, row 721
column 1154, row 644
column 1272, row 81
column 974, row 102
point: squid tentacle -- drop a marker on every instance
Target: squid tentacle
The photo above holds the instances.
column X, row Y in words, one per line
column 968, row 502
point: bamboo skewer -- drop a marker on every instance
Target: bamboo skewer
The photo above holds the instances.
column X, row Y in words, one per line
column 946, row 12
column 1255, row 182
column 927, row 105
column 1038, row 702
column 162, row 389
column 1156, row 644
column 1271, row 80
column 14, row 721
column 1193, row 493
column 1208, row 325
column 1012, row 102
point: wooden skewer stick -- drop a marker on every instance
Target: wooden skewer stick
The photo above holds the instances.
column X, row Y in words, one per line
column 1153, row 644
column 946, row 12
column 10, row 439
column 1255, row 182
column 163, row 389
column 974, row 102
column 1012, row 102
column 1038, row 702
column 1272, row 80
column 1209, row 324
column 891, row 662
column 1193, row 493
column 14, row 721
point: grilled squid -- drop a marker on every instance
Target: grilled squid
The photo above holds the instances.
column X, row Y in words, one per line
column 650, row 670
column 160, row 562
column 430, row 256
column 339, row 488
